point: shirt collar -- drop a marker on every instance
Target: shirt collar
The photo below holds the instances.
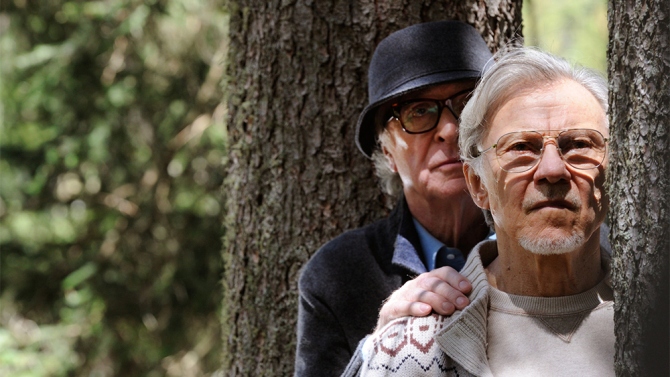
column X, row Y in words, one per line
column 429, row 245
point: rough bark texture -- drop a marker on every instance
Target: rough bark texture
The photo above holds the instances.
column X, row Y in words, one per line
column 297, row 83
column 639, row 179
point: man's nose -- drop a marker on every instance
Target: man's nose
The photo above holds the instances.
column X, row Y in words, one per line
column 447, row 127
column 551, row 166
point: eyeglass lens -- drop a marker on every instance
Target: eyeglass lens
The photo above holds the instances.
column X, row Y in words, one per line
column 422, row 115
column 580, row 148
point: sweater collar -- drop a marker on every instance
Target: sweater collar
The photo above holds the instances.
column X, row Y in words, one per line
column 463, row 338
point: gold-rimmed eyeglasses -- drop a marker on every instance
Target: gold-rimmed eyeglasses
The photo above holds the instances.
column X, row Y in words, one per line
column 520, row 151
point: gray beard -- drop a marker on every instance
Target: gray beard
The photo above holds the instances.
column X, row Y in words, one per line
column 553, row 246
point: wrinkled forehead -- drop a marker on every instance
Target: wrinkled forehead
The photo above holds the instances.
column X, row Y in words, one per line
column 555, row 105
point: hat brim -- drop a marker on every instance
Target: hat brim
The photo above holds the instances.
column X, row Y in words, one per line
column 366, row 138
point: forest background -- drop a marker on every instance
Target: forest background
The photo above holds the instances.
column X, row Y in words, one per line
column 112, row 157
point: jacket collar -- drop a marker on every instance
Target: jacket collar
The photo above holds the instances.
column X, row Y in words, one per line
column 407, row 249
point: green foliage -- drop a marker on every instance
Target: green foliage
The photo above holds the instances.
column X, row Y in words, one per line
column 112, row 147
column 573, row 29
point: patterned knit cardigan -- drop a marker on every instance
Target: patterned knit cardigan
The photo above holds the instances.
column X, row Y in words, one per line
column 439, row 345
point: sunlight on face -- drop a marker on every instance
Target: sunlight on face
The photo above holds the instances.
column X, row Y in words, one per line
column 552, row 208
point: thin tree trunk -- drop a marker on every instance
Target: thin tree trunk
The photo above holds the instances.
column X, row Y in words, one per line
column 639, row 179
column 296, row 85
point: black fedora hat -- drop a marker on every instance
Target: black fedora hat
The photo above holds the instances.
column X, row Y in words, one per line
column 417, row 57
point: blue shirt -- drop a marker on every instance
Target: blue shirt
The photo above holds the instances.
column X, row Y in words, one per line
column 431, row 245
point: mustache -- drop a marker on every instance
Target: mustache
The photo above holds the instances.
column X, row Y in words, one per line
column 551, row 193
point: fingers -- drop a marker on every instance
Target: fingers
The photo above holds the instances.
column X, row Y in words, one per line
column 442, row 290
column 453, row 278
column 440, row 295
column 450, row 285
column 395, row 308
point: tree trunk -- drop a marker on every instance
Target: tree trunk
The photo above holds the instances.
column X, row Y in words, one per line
column 297, row 73
column 639, row 179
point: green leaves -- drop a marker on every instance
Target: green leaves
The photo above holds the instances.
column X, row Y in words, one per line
column 79, row 276
column 111, row 161
column 573, row 29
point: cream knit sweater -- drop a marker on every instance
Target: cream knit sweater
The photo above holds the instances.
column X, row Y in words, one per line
column 457, row 345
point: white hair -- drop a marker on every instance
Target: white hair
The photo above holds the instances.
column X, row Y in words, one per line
column 389, row 180
column 515, row 69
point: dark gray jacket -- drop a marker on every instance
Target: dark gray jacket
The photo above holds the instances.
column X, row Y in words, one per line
column 344, row 285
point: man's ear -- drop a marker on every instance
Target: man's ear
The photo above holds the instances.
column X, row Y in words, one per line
column 476, row 187
column 390, row 159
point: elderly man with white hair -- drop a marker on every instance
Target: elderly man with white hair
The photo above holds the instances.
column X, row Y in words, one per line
column 533, row 139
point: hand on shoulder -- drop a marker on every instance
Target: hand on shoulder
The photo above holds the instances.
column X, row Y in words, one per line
column 441, row 290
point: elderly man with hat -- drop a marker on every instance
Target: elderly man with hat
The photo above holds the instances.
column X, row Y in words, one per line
column 419, row 81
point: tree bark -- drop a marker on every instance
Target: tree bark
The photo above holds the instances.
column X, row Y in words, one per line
column 296, row 85
column 639, row 180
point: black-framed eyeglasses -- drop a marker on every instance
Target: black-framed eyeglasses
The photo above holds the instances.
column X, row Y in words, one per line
column 520, row 151
column 422, row 115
